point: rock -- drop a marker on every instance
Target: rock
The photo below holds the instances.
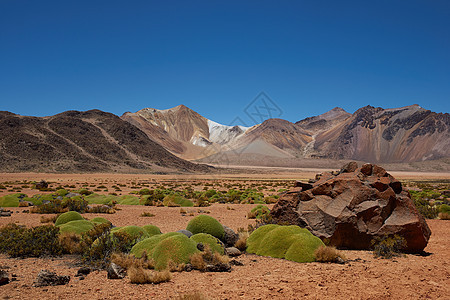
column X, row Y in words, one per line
column 200, row 247
column 46, row 278
column 185, row 232
column 5, row 213
column 41, row 185
column 234, row 262
column 353, row 207
column 349, row 167
column 115, row 271
column 83, row 271
column 232, row 251
column 218, row 268
column 305, row 186
column 230, row 237
column 4, row 277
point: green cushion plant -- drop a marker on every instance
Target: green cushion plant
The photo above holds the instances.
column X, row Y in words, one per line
column 177, row 248
column 77, row 226
column 206, row 239
column 151, row 229
column 11, row 200
column 67, row 217
column 150, row 243
column 289, row 242
column 206, row 224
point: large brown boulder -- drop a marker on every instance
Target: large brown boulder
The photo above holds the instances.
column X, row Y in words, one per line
column 351, row 207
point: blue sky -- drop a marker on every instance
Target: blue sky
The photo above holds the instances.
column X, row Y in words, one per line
column 217, row 56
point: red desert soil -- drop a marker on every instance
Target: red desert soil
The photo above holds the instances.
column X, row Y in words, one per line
column 363, row 277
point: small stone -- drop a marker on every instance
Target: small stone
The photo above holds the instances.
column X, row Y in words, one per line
column 115, row 271
column 232, row 251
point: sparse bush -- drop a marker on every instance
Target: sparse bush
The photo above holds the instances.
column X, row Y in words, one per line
column 75, row 204
column 206, row 224
column 388, row 246
column 142, row 276
column 71, row 243
column 18, row 241
column 328, row 254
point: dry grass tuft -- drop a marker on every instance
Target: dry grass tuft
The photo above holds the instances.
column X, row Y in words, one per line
column 444, row 216
column 192, row 296
column 201, row 260
column 328, row 254
column 49, row 219
column 129, row 261
column 251, row 215
column 71, row 243
column 139, row 275
column 147, row 214
column 241, row 243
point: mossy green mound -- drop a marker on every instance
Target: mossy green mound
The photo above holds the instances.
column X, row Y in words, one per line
column 11, row 200
column 176, row 200
column 177, row 248
column 67, row 217
column 77, row 226
column 101, row 199
column 100, row 220
column 206, row 239
column 289, row 242
column 206, row 224
column 128, row 200
column 135, row 232
column 149, row 244
column 444, row 208
column 62, row 192
column 152, row 229
column 260, row 211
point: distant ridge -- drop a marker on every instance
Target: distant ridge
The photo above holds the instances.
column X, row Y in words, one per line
column 397, row 135
column 90, row 141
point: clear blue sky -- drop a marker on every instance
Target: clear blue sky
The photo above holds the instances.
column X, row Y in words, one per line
column 216, row 56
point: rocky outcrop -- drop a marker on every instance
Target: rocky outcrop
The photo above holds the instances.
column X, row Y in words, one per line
column 46, row 278
column 351, row 207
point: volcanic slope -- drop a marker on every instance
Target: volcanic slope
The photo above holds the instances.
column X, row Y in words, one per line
column 406, row 134
column 73, row 141
column 183, row 131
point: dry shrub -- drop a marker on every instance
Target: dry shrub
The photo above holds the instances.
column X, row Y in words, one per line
column 241, row 243
column 328, row 254
column 192, row 296
column 127, row 261
column 444, row 216
column 201, row 260
column 71, row 243
column 173, row 267
column 140, row 276
column 147, row 214
column 251, row 215
column 49, row 219
column 183, row 211
column 23, row 204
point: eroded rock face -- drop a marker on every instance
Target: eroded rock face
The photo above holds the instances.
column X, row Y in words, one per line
column 351, row 208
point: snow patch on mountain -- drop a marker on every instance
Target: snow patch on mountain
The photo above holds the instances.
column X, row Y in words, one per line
column 222, row 134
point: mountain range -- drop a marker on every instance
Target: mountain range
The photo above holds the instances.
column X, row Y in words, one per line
column 374, row 134
column 176, row 139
